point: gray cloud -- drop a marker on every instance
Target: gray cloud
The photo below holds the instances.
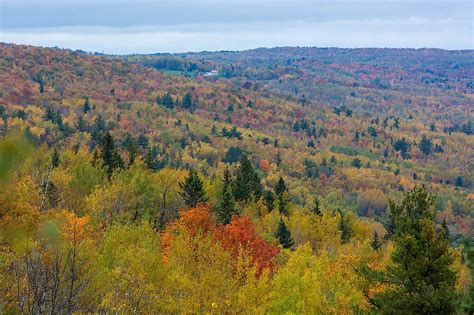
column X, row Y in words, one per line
column 185, row 25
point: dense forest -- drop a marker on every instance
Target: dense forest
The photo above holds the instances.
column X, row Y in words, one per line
column 286, row 181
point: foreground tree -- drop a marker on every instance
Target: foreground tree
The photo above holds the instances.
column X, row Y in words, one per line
column 420, row 279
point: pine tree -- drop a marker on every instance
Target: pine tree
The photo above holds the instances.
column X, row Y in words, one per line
column 420, row 278
column 55, row 160
column 81, row 124
column 468, row 300
column 376, row 243
column 344, row 228
column 132, row 153
column 109, row 154
column 280, row 187
column 167, row 100
column 316, row 207
column 283, row 235
column 187, row 101
column 192, row 190
column 226, row 207
column 278, row 159
column 447, row 234
column 244, row 184
column 281, row 193
column 356, row 136
column 98, row 129
column 426, row 145
column 459, row 182
column 86, row 107
column 269, row 200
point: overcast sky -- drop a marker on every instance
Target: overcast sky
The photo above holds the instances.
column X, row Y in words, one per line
column 146, row 26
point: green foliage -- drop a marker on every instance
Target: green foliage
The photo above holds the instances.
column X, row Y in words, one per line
column 109, row 154
column 247, row 183
column 426, row 145
column 192, row 190
column 421, row 279
column 316, row 207
column 226, row 207
column 376, row 243
column 283, row 235
column 344, row 228
column 55, row 159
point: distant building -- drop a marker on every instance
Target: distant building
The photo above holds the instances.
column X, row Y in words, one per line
column 212, row 73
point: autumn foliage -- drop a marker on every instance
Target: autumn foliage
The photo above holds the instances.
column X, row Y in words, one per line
column 238, row 237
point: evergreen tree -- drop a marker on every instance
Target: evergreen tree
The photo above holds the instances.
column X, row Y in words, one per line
column 98, row 129
column 108, row 153
column 344, row 228
column 41, row 87
column 426, row 145
column 283, row 235
column 356, row 163
column 447, row 234
column 49, row 114
column 167, row 100
column 376, row 243
column 459, row 182
column 402, row 146
column 192, row 190
column 244, row 183
column 420, row 279
column 226, row 207
column 269, row 200
column 132, row 152
column 86, row 107
column 150, row 160
column 187, row 101
column 468, row 300
column 278, row 159
column 356, row 136
column 281, row 193
column 55, row 160
column 81, row 124
column 316, row 207
column 280, row 187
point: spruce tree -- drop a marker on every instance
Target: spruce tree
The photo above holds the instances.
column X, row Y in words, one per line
column 344, row 228
column 167, row 100
column 81, row 124
column 269, row 200
column 192, row 190
column 468, row 300
column 280, row 191
column 86, row 107
column 108, row 153
column 244, row 184
column 187, row 101
column 283, row 235
column 278, row 159
column 420, row 278
column 459, row 182
column 376, row 243
column 280, row 187
column 132, row 153
column 316, row 207
column 55, row 159
column 426, row 145
column 226, row 207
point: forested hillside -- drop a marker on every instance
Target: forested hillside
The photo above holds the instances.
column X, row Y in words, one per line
column 292, row 180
